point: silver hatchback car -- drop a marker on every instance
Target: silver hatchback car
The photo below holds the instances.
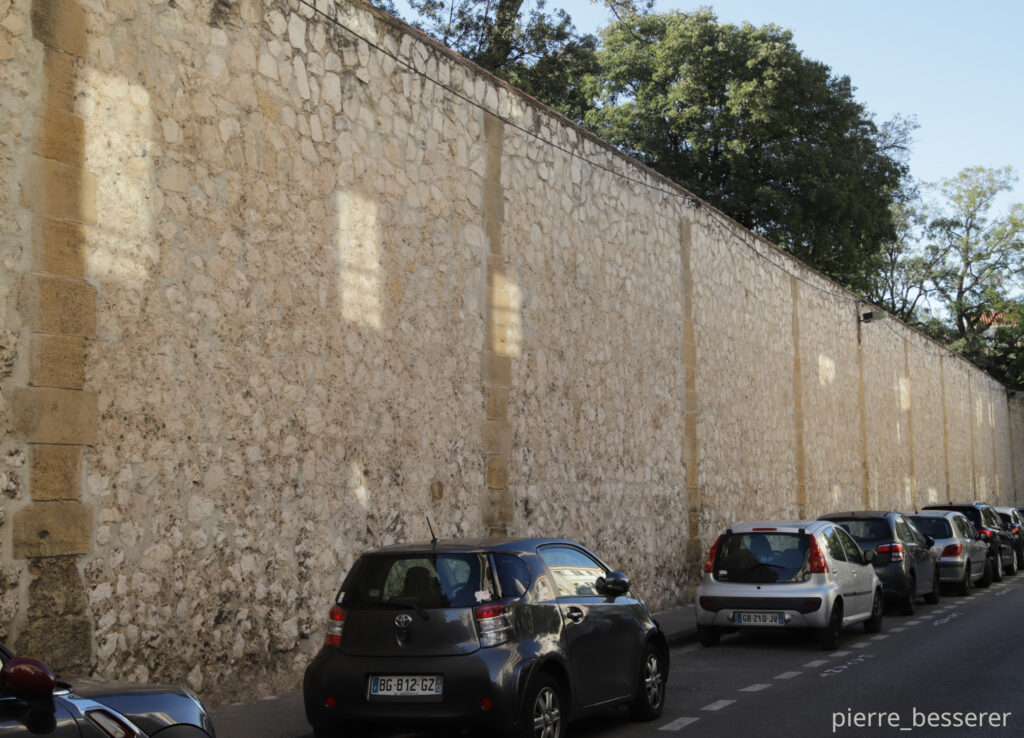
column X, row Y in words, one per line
column 963, row 554
column 787, row 574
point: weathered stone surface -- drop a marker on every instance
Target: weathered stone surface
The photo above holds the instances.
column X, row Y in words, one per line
column 56, row 588
column 59, row 190
column 59, row 247
column 60, row 24
column 46, row 529
column 45, row 415
column 57, row 361
column 63, row 137
column 58, row 305
column 63, row 642
column 55, row 472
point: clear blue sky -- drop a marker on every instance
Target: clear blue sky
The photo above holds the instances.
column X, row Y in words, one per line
column 957, row 66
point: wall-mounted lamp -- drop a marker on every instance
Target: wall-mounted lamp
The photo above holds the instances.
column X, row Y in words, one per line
column 870, row 316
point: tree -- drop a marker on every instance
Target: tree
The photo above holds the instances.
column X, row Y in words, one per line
column 539, row 52
column 900, row 284
column 740, row 117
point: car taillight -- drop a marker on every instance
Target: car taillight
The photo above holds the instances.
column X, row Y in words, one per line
column 493, row 623
column 953, row 549
column 895, row 551
column 816, row 559
column 709, row 562
column 986, row 533
column 335, row 626
column 1015, row 529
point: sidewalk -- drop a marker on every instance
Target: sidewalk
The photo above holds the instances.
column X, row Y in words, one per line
column 679, row 624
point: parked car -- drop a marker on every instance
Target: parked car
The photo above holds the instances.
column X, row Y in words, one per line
column 1014, row 523
column 963, row 555
column 33, row 701
column 787, row 574
column 499, row 634
column 988, row 523
column 905, row 562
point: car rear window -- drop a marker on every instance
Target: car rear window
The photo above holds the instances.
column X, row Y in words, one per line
column 761, row 558
column 934, row 527
column 866, row 529
column 424, row 580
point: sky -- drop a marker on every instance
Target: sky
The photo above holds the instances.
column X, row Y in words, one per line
column 958, row 67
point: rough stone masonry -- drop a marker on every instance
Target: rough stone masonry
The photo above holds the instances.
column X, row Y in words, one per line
column 282, row 280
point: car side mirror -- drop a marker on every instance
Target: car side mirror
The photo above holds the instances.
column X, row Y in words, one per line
column 929, row 541
column 614, row 584
column 28, row 679
column 870, row 556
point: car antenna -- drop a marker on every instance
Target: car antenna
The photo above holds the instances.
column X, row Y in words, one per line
column 433, row 537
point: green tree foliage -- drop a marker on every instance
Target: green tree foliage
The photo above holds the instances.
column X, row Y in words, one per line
column 900, row 283
column 539, row 52
column 740, row 117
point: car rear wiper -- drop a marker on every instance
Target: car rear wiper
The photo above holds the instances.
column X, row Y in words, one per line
column 410, row 602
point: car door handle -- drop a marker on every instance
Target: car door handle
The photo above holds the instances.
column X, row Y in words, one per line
column 574, row 614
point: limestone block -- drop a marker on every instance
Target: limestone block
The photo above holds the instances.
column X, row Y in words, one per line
column 46, row 529
column 59, row 190
column 57, row 361
column 45, row 415
column 64, row 643
column 60, row 24
column 497, row 437
column 57, row 588
column 497, row 472
column 497, row 370
column 55, row 472
column 58, row 305
column 497, row 509
column 496, row 403
column 63, row 137
column 59, row 246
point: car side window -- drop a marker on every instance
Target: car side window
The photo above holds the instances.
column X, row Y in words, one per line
column 575, row 574
column 916, row 532
column 853, row 552
column 513, row 574
column 904, row 532
column 966, row 529
column 835, row 545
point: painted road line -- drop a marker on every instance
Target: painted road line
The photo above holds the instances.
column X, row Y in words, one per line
column 839, row 654
column 679, row 724
column 926, row 617
column 788, row 675
column 912, row 622
column 881, row 637
column 815, row 664
column 718, row 705
column 861, row 645
column 896, row 630
column 758, row 687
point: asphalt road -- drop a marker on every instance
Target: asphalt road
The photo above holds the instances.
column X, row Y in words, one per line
column 953, row 669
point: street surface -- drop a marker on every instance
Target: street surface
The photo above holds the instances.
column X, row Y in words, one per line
column 953, row 669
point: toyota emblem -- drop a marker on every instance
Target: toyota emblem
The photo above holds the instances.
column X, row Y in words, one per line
column 404, row 620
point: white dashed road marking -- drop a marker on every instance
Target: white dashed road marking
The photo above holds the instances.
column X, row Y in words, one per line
column 679, row 724
column 788, row 675
column 861, row 645
column 913, row 622
column 717, row 705
column 815, row 664
column 757, row 687
column 837, row 654
column 896, row 630
column 880, row 637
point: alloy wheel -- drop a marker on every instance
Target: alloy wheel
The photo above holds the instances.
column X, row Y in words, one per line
column 547, row 715
column 653, row 682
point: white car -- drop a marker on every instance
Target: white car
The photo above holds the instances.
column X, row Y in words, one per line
column 780, row 574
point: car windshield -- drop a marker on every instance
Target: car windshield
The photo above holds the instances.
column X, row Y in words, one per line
column 971, row 513
column 934, row 527
column 761, row 558
column 867, row 529
column 419, row 580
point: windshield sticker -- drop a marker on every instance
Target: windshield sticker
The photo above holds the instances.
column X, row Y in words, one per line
column 483, row 595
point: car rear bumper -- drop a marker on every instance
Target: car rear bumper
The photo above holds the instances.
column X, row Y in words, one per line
column 480, row 689
column 801, row 606
column 951, row 570
column 894, row 579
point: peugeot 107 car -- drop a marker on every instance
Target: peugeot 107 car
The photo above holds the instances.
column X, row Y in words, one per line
column 33, row 701
column 904, row 562
column 963, row 556
column 502, row 635
column 990, row 526
column 787, row 574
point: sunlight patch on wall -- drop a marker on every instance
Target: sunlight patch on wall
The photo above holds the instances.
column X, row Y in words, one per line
column 359, row 259
column 826, row 370
column 357, row 483
column 904, row 393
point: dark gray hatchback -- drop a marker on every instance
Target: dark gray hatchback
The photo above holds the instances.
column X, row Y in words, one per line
column 513, row 635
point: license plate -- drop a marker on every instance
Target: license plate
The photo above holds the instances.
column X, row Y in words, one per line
column 759, row 618
column 406, row 686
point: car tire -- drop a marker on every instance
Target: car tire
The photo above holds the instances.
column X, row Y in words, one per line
column 650, row 696
column 874, row 623
column 543, row 709
column 986, row 574
column 964, row 585
column 708, row 635
column 933, row 597
column 997, row 567
column 909, row 601
column 828, row 637
column 1011, row 568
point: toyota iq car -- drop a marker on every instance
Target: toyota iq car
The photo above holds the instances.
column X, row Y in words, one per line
column 963, row 556
column 905, row 562
column 492, row 634
column 774, row 575
column 33, row 701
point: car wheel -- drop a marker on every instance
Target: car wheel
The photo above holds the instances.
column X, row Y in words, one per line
column 933, row 597
column 986, row 574
column 828, row 637
column 650, row 695
column 874, row 623
column 1011, row 568
column 997, row 567
column 708, row 635
column 909, row 601
column 543, row 716
column 964, row 585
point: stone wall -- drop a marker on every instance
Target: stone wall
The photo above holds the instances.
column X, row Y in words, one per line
column 280, row 283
